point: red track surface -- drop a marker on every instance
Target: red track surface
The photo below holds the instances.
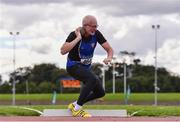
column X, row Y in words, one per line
column 92, row 119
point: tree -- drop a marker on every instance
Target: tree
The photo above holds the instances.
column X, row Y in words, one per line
column 45, row 87
column 5, row 88
column 21, row 74
column 41, row 78
column 46, row 72
column 136, row 61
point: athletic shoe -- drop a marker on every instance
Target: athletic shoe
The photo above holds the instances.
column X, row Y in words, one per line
column 80, row 113
column 71, row 106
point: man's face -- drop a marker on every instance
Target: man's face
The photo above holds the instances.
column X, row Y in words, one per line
column 91, row 28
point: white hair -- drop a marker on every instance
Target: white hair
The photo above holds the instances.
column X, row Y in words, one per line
column 88, row 19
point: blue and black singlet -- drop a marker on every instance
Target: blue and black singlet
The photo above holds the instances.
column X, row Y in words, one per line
column 83, row 51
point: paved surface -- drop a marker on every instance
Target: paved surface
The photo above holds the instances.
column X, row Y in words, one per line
column 94, row 113
column 92, row 119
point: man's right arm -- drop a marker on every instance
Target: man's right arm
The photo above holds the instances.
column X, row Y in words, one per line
column 67, row 46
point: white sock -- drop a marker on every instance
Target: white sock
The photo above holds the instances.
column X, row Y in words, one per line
column 74, row 103
column 77, row 107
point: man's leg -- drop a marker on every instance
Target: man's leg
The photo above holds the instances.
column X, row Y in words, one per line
column 87, row 77
column 97, row 92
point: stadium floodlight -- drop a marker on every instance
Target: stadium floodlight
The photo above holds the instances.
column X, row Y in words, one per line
column 14, row 66
column 155, row 27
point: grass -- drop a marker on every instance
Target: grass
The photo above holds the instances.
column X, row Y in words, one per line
column 109, row 97
column 142, row 110
column 136, row 97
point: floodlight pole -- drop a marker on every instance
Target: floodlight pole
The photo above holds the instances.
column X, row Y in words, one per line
column 14, row 66
column 155, row 27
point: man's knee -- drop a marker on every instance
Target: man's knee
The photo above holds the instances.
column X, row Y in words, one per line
column 100, row 94
column 103, row 93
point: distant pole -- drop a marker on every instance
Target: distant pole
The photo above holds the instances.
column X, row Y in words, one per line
column 155, row 27
column 114, row 82
column 125, row 82
column 103, row 74
column 27, row 91
column 124, row 53
column 14, row 66
column 103, row 69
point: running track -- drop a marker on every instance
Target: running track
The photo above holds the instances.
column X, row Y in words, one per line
column 93, row 119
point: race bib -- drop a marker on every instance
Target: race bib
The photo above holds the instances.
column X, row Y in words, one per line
column 86, row 61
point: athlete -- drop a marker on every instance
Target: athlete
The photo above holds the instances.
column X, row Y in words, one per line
column 80, row 45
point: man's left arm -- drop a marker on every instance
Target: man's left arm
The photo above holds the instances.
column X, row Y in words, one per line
column 109, row 51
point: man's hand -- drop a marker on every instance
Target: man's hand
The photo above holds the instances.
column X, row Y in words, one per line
column 78, row 33
column 109, row 51
column 107, row 60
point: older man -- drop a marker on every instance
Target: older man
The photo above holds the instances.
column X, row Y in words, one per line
column 80, row 45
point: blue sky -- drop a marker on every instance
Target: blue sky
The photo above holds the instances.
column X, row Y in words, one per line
column 126, row 24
